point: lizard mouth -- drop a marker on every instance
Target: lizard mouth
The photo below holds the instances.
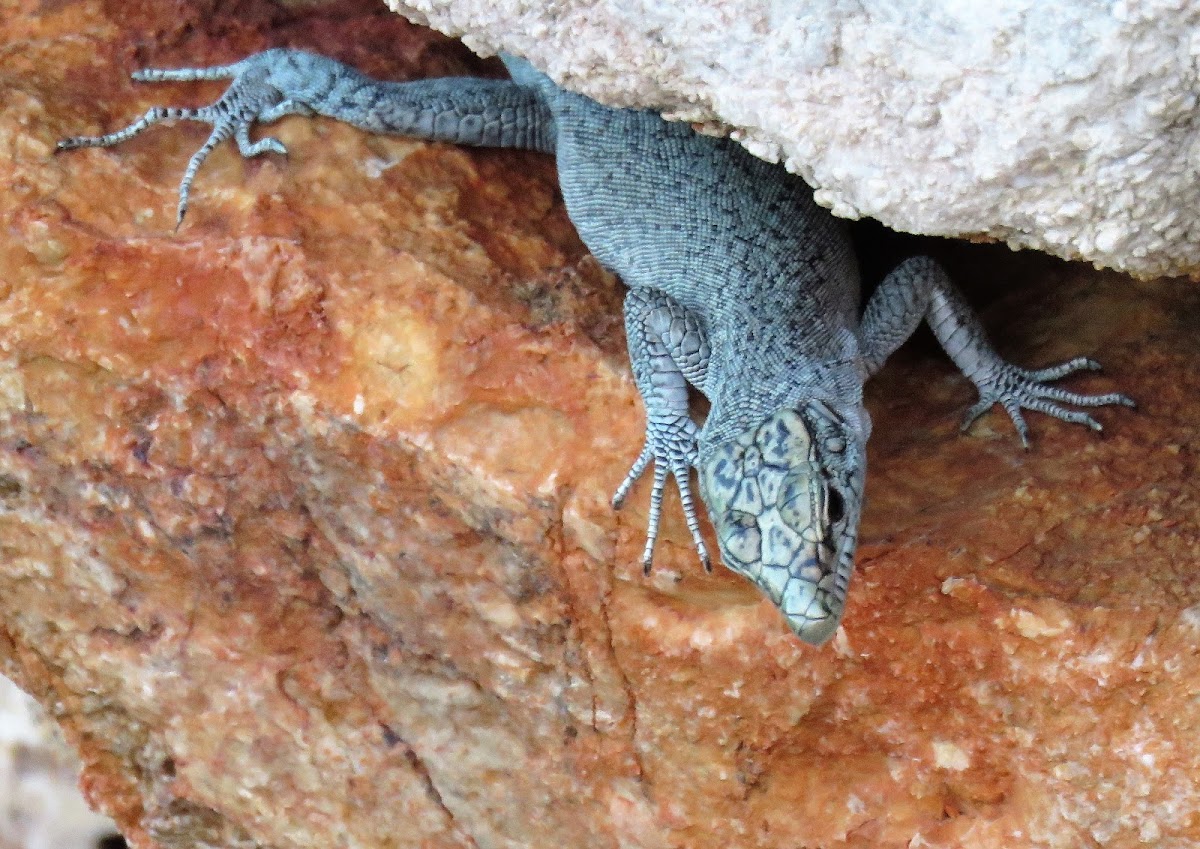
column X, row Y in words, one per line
column 784, row 518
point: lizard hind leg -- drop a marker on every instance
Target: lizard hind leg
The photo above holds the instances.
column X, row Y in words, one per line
column 248, row 99
column 282, row 81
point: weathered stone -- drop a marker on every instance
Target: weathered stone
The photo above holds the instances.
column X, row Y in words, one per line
column 1064, row 125
column 304, row 534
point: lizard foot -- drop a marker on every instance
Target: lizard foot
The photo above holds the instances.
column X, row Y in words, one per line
column 671, row 445
column 1016, row 389
column 250, row 98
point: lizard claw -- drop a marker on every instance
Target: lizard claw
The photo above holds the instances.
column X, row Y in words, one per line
column 672, row 448
column 249, row 99
column 1017, row 389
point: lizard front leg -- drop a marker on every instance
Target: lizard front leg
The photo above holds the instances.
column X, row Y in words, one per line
column 269, row 85
column 668, row 349
column 919, row 288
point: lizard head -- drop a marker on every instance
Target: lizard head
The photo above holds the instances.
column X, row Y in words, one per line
column 785, row 498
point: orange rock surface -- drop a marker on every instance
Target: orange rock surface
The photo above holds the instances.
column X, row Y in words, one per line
column 305, row 541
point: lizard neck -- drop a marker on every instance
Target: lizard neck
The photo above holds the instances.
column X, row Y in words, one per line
column 741, row 401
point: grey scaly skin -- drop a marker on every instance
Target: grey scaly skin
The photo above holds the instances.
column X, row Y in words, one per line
column 739, row 286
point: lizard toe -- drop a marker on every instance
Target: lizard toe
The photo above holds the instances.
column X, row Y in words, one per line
column 1017, row 389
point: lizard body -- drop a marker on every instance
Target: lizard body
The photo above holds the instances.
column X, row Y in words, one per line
column 740, row 286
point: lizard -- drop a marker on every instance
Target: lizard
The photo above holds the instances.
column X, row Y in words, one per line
column 739, row 286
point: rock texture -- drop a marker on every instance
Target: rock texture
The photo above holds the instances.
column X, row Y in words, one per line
column 304, row 535
column 40, row 804
column 1069, row 126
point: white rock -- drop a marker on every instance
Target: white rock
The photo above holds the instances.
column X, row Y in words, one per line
column 1064, row 125
column 40, row 804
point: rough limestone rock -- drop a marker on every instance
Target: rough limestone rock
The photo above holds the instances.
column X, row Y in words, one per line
column 305, row 541
column 1065, row 125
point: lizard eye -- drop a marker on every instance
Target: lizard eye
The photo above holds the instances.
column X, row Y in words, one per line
column 835, row 505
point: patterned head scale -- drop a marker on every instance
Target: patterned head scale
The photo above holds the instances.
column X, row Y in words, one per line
column 784, row 497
